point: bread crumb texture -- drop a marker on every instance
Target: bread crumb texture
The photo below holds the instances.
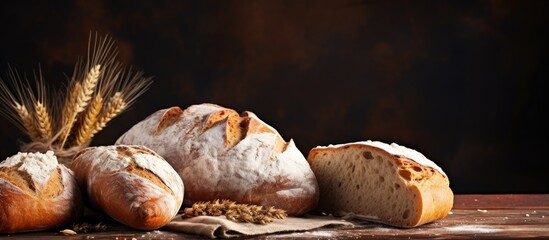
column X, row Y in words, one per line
column 394, row 149
column 380, row 182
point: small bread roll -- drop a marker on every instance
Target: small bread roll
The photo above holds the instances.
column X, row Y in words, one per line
column 221, row 154
column 384, row 183
column 131, row 184
column 37, row 193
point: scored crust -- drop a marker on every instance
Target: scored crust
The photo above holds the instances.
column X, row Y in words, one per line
column 222, row 154
column 132, row 184
column 380, row 186
column 36, row 193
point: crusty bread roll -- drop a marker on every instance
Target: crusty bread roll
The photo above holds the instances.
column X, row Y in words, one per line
column 37, row 193
column 132, row 184
column 385, row 183
column 223, row 155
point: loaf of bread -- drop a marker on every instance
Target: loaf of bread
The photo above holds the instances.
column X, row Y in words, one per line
column 221, row 154
column 385, row 183
column 131, row 184
column 37, row 193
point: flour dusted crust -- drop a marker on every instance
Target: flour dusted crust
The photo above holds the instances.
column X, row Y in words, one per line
column 132, row 184
column 385, row 183
column 37, row 193
column 222, row 154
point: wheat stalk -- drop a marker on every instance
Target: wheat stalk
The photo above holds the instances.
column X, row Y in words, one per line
column 234, row 211
column 43, row 120
column 79, row 103
column 66, row 124
column 87, row 127
column 115, row 106
column 26, row 119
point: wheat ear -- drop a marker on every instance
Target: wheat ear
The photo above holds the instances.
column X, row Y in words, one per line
column 26, row 118
column 85, row 131
column 88, row 88
column 68, row 109
column 115, row 106
column 235, row 212
column 70, row 102
column 80, row 101
column 43, row 120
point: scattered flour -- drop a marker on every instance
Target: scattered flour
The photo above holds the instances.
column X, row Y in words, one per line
column 37, row 165
column 322, row 233
column 472, row 228
column 314, row 233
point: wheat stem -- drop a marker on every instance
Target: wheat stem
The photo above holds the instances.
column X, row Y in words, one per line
column 81, row 101
column 85, row 131
column 26, row 118
column 114, row 107
column 43, row 120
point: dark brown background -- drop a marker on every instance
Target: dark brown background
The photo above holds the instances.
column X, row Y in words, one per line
column 462, row 82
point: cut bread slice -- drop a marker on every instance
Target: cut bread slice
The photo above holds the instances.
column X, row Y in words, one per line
column 390, row 184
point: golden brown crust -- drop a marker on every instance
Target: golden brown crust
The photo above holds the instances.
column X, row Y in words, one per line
column 253, row 125
column 25, row 209
column 437, row 200
column 168, row 118
column 54, row 186
column 131, row 194
column 109, row 195
column 432, row 187
column 147, row 174
column 16, row 178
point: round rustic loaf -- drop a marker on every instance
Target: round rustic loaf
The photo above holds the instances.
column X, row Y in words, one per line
column 132, row 184
column 221, row 154
column 37, row 193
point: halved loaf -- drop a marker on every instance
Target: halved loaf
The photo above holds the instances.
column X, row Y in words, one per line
column 384, row 183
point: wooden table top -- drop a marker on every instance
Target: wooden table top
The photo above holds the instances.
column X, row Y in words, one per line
column 473, row 216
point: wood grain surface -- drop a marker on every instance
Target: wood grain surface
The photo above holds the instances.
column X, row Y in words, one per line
column 502, row 201
column 473, row 217
column 461, row 224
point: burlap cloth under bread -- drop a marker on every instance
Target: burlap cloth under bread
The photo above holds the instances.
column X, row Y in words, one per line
column 221, row 227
